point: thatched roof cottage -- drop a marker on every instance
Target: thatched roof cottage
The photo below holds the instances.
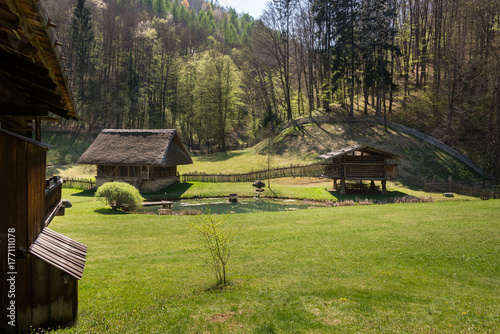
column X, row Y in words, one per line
column 147, row 159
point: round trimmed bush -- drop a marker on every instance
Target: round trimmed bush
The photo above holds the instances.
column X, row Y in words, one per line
column 120, row 195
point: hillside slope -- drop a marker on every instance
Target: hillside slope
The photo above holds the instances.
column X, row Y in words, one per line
column 303, row 144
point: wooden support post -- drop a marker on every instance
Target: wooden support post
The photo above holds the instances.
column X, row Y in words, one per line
column 335, row 185
column 384, row 187
column 450, row 181
column 372, row 185
column 38, row 128
column 342, row 186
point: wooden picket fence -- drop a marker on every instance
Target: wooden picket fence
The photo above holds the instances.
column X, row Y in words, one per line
column 291, row 171
column 79, row 183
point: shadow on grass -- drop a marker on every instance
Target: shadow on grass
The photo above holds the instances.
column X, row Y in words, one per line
column 377, row 196
column 110, row 212
column 85, row 193
column 173, row 191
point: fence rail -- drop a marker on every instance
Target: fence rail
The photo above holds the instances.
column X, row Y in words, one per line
column 464, row 188
column 291, row 171
column 79, row 183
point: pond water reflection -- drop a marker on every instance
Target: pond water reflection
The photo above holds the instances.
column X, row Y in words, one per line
column 221, row 206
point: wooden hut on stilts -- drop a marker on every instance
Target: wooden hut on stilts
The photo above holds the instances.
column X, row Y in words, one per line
column 360, row 163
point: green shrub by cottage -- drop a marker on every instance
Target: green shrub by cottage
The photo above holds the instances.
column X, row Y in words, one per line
column 120, row 195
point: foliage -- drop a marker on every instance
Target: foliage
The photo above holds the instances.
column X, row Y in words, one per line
column 216, row 242
column 218, row 89
column 136, row 64
column 120, row 195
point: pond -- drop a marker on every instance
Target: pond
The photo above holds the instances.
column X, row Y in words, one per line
column 223, row 206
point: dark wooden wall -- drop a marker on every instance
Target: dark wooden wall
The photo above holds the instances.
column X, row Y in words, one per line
column 159, row 172
column 45, row 295
column 135, row 171
column 367, row 167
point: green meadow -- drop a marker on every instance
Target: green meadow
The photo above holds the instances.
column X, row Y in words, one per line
column 394, row 268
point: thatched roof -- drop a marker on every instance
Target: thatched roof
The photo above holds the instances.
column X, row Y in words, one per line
column 351, row 149
column 162, row 148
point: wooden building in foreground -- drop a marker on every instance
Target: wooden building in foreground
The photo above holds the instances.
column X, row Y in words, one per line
column 147, row 159
column 360, row 163
column 39, row 268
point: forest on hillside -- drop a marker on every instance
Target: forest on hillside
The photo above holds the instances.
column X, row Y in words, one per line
column 222, row 77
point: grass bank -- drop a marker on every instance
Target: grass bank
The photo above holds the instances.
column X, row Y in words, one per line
column 307, row 188
column 419, row 268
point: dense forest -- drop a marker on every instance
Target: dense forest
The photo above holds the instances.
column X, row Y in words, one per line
column 220, row 76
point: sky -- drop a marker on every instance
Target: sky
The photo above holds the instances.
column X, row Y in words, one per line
column 252, row 7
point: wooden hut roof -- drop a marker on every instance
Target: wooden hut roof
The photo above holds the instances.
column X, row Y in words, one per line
column 351, row 149
column 31, row 59
column 61, row 252
column 161, row 148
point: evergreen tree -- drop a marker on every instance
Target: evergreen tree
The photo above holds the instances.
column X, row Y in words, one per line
column 82, row 38
column 376, row 38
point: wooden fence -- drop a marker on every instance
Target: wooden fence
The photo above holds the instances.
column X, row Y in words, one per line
column 291, row 171
column 79, row 183
column 467, row 188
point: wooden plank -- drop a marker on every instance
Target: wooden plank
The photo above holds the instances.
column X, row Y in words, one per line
column 56, row 296
column 8, row 19
column 69, row 296
column 23, row 109
column 40, row 293
column 23, row 294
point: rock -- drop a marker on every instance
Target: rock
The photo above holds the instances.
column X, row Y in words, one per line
column 448, row 195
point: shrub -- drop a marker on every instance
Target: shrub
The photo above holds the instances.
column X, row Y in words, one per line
column 120, row 195
column 216, row 244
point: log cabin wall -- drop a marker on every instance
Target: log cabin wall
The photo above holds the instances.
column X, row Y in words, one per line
column 365, row 167
column 159, row 172
column 45, row 296
column 124, row 171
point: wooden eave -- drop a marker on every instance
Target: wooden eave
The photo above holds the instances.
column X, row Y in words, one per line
column 60, row 251
column 31, row 56
column 351, row 149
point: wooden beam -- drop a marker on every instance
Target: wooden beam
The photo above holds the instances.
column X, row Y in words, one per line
column 42, row 118
column 44, row 96
column 8, row 19
column 38, row 129
column 18, row 62
column 13, row 43
column 13, row 109
column 21, row 75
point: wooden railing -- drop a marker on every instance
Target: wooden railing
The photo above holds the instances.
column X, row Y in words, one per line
column 291, row 171
column 79, row 183
column 53, row 188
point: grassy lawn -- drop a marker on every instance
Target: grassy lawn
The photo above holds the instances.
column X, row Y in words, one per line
column 319, row 189
column 414, row 268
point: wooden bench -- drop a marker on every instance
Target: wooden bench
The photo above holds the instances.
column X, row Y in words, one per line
column 165, row 204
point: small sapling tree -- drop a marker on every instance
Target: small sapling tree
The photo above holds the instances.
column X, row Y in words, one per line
column 216, row 242
column 120, row 195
